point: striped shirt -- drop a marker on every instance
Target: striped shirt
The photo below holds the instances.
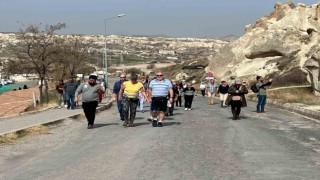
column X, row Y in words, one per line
column 189, row 91
column 160, row 88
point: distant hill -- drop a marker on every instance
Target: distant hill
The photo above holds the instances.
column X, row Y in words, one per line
column 229, row 38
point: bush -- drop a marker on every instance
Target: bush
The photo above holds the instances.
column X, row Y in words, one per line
column 133, row 71
column 151, row 66
column 294, row 77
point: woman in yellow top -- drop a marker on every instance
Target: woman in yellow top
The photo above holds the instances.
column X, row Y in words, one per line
column 128, row 94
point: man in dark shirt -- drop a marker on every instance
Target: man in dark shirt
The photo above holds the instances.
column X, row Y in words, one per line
column 223, row 92
column 116, row 90
column 175, row 98
column 69, row 90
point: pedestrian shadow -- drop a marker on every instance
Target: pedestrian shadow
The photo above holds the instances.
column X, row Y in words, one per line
column 141, row 124
column 169, row 118
column 177, row 114
column 241, row 117
column 139, row 118
column 102, row 125
column 171, row 123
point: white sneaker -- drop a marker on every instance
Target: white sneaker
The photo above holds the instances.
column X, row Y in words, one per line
column 186, row 109
column 189, row 109
column 59, row 107
column 65, row 106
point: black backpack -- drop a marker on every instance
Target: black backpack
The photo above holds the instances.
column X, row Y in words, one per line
column 254, row 88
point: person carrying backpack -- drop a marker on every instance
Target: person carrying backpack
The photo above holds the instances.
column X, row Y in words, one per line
column 262, row 92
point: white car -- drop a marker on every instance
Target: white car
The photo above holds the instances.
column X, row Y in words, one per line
column 9, row 81
column 4, row 81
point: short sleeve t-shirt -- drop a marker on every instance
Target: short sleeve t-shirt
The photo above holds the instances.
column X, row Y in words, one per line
column 132, row 90
column 160, row 88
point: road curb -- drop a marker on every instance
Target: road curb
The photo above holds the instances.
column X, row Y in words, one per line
column 300, row 109
column 61, row 119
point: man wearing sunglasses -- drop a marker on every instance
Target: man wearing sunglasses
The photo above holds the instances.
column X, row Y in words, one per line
column 115, row 95
column 159, row 89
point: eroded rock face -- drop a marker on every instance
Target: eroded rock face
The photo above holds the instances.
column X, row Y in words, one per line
column 285, row 41
column 181, row 76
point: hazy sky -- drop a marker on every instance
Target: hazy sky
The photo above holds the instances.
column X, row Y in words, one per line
column 176, row 18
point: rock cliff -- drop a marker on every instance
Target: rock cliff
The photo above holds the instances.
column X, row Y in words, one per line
column 284, row 45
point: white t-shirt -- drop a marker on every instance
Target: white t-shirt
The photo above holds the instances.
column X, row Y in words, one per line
column 203, row 86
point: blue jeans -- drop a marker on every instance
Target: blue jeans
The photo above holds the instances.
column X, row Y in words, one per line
column 70, row 100
column 141, row 100
column 120, row 109
column 261, row 103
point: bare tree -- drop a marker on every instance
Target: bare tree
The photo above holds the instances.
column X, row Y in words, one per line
column 37, row 49
column 78, row 56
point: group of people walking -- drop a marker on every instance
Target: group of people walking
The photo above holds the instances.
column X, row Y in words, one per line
column 162, row 94
column 66, row 93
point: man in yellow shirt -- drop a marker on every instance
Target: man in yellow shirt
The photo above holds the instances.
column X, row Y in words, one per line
column 128, row 94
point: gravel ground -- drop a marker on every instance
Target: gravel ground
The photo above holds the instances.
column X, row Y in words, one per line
column 200, row 144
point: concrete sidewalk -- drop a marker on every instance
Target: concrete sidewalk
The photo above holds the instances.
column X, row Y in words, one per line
column 25, row 121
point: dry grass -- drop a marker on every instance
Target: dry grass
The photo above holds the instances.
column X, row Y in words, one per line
column 13, row 137
column 9, row 138
column 52, row 103
column 37, row 130
column 294, row 95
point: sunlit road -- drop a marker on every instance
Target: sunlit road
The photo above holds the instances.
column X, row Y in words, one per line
column 200, row 144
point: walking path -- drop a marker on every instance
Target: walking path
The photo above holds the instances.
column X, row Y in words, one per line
column 18, row 123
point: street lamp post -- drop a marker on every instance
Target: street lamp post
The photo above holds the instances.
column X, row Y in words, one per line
column 105, row 46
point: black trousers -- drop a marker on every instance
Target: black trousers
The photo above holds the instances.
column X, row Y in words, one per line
column 236, row 106
column 203, row 92
column 188, row 101
column 179, row 101
column 89, row 109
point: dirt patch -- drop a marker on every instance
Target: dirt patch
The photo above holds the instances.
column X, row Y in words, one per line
column 16, row 102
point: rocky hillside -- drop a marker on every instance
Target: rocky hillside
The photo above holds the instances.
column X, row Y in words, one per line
column 284, row 45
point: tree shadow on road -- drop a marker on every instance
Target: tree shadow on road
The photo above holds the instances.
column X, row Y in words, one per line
column 102, row 125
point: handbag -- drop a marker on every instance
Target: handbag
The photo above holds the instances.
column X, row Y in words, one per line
column 236, row 98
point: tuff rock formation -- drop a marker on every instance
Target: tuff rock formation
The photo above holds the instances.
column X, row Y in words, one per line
column 284, row 45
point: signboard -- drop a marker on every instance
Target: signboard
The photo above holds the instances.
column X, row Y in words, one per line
column 209, row 75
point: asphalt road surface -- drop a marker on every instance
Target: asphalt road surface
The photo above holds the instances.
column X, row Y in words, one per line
column 203, row 143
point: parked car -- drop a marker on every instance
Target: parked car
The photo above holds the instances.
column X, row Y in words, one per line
column 4, row 82
column 10, row 81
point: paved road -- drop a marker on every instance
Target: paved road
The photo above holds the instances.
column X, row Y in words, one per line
column 200, row 144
